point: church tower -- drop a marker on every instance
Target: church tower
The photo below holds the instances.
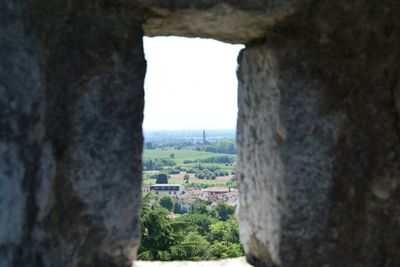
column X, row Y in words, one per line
column 204, row 137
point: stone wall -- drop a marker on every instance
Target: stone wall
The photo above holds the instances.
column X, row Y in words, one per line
column 22, row 146
column 71, row 139
column 318, row 139
column 93, row 119
column 318, row 127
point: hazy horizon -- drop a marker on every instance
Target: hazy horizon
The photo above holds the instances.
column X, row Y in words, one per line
column 186, row 130
column 190, row 84
column 211, row 134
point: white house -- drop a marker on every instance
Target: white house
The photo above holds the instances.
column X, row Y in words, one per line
column 170, row 189
column 186, row 201
column 145, row 189
column 186, row 204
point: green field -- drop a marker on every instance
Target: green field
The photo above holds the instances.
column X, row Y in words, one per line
column 203, row 183
column 179, row 155
column 221, row 165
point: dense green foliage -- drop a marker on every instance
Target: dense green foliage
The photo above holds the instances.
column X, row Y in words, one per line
column 179, row 155
column 233, row 182
column 207, row 171
column 157, row 163
column 189, row 161
column 204, row 165
column 186, row 178
column 226, row 146
column 198, row 235
column 162, row 178
column 224, row 211
column 167, row 202
column 217, row 159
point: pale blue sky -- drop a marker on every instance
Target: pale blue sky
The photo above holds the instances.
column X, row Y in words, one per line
column 190, row 84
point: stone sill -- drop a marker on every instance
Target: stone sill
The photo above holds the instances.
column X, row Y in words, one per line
column 236, row 262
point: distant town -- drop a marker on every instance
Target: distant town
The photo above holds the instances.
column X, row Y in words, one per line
column 185, row 199
column 191, row 167
column 190, row 194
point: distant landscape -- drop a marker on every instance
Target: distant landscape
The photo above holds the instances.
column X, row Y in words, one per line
column 189, row 196
column 207, row 162
column 188, row 135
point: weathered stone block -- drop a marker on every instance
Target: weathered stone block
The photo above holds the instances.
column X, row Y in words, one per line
column 318, row 139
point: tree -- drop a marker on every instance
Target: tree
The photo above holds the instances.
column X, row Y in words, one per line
column 224, row 211
column 157, row 235
column 177, row 208
column 213, row 214
column 149, row 145
column 200, row 221
column 147, row 202
column 162, row 178
column 187, row 237
column 195, row 247
column 232, row 231
column 172, row 155
column 167, row 202
column 224, row 249
column 199, row 208
column 217, row 231
column 224, row 231
column 148, row 165
column 186, row 178
column 161, row 236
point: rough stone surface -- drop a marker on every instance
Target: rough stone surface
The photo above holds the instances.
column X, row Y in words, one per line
column 71, row 106
column 285, row 162
column 318, row 128
column 94, row 113
column 21, row 130
column 318, row 139
column 227, row 20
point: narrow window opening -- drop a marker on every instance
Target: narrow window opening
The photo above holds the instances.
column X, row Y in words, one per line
column 189, row 186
